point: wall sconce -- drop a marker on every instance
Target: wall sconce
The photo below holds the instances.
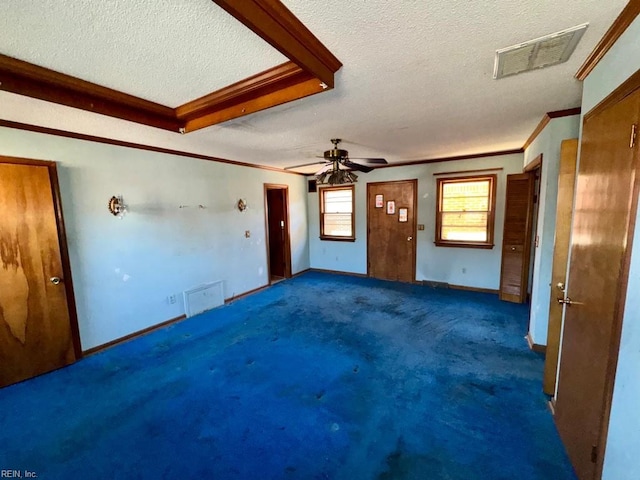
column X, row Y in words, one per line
column 242, row 205
column 117, row 206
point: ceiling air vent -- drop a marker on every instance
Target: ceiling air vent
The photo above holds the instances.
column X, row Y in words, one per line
column 539, row 53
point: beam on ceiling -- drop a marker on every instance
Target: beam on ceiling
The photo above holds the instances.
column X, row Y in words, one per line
column 235, row 98
column 275, row 24
column 23, row 78
column 296, row 91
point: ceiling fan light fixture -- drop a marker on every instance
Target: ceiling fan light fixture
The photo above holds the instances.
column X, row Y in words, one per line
column 336, row 177
column 338, row 168
column 321, row 177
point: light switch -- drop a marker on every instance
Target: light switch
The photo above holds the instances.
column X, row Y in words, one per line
column 247, row 233
column 420, row 226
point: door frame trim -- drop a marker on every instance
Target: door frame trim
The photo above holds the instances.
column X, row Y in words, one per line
column 534, row 164
column 625, row 89
column 287, row 236
column 62, row 242
column 414, row 227
column 535, row 167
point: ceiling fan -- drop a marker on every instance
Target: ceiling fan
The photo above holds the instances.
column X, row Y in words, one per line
column 339, row 166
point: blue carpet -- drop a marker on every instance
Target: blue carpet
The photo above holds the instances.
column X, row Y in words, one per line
column 319, row 377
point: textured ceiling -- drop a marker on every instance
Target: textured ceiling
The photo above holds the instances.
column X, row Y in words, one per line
column 416, row 81
column 166, row 51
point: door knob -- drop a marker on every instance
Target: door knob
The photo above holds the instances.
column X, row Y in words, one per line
column 56, row 280
column 560, row 286
column 409, row 239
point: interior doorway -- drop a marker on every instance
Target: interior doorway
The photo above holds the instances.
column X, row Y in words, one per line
column 534, row 167
column 38, row 323
column 277, row 235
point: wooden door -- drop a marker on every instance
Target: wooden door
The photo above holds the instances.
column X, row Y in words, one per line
column 391, row 230
column 278, row 252
column 36, row 331
column 516, row 239
column 605, row 207
column 564, row 209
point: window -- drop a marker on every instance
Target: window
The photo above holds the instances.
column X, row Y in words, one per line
column 465, row 211
column 336, row 213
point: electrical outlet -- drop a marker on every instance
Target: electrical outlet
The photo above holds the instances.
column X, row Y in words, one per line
column 420, row 226
column 172, row 299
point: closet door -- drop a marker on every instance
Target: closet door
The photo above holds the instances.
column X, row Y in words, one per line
column 606, row 202
column 516, row 239
column 564, row 210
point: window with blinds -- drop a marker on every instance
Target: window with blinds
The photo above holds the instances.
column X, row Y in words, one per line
column 465, row 211
column 336, row 213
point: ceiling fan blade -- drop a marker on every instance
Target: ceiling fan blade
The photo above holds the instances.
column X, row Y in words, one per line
column 303, row 165
column 377, row 161
column 357, row 166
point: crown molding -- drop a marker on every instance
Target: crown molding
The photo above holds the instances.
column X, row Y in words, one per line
column 619, row 26
column 547, row 117
column 138, row 146
column 451, row 159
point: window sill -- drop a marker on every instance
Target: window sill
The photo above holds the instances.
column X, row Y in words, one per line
column 485, row 246
column 339, row 239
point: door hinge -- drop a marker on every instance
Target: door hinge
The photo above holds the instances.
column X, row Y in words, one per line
column 634, row 134
column 594, row 453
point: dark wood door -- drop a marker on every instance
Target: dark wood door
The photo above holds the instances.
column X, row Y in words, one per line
column 605, row 206
column 391, row 244
column 564, row 209
column 277, row 232
column 516, row 239
column 35, row 323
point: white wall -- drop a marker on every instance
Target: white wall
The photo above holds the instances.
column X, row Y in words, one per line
column 124, row 270
column 622, row 461
column 441, row 264
column 546, row 143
